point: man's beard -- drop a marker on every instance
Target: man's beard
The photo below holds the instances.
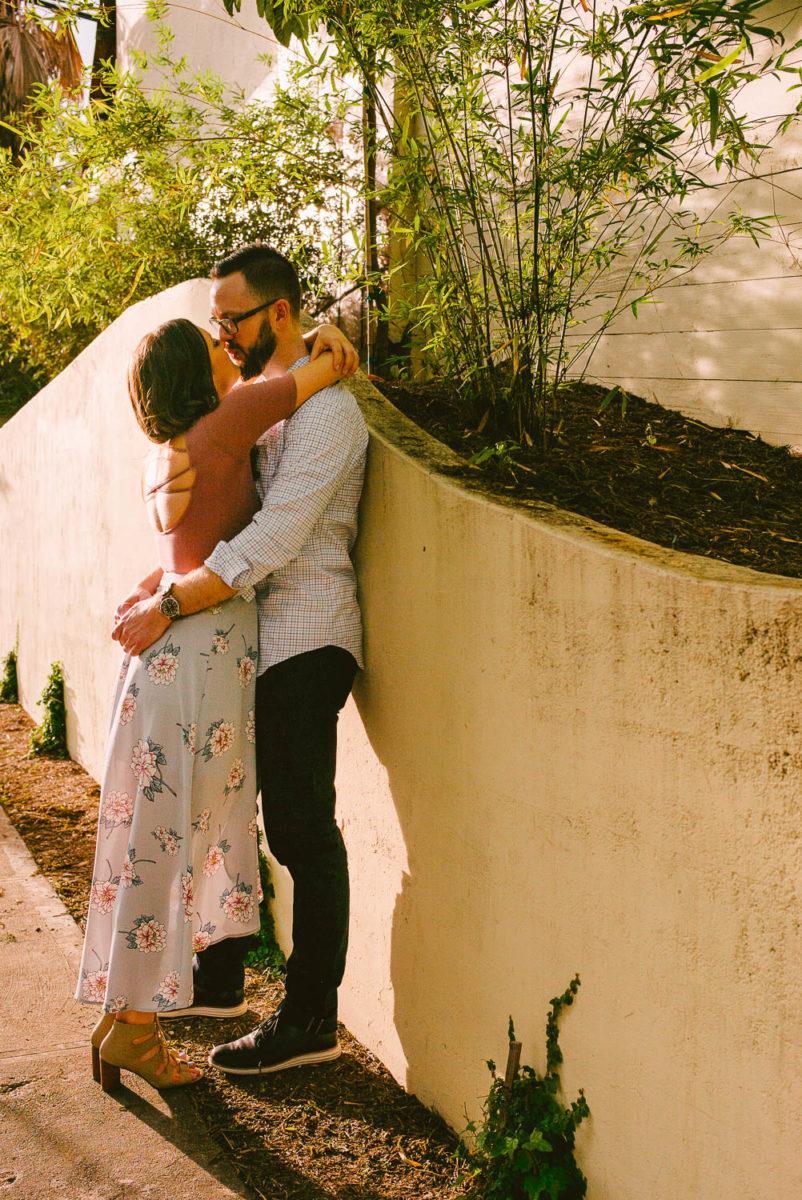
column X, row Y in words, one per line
column 260, row 353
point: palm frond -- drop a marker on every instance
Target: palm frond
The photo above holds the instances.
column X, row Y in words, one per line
column 63, row 57
column 31, row 54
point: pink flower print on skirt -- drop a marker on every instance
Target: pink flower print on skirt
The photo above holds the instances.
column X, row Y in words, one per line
column 176, row 864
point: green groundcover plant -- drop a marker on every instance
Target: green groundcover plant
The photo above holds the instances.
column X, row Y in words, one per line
column 115, row 200
column 9, row 692
column 49, row 740
column 265, row 954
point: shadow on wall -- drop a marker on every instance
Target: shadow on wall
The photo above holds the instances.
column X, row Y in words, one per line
column 466, row 787
column 484, row 921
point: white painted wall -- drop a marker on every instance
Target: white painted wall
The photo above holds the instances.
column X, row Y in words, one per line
column 571, row 751
column 721, row 341
column 721, row 344
column 211, row 40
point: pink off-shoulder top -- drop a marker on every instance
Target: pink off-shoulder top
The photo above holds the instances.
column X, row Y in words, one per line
column 223, row 496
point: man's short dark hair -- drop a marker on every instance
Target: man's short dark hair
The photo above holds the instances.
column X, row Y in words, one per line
column 267, row 273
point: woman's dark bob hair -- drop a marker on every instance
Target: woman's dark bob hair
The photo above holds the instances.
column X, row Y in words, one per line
column 170, row 381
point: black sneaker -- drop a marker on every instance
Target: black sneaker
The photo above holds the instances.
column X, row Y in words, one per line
column 208, row 1004
column 276, row 1044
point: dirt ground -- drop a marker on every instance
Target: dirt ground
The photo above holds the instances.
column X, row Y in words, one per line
column 344, row 1131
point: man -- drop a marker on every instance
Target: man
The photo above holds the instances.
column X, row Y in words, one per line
column 296, row 555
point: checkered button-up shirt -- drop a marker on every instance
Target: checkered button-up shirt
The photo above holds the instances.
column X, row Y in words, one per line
column 296, row 553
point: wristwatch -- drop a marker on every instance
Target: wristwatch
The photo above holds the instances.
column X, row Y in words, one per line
column 168, row 605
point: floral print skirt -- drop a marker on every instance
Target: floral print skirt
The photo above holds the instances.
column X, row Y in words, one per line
column 176, row 861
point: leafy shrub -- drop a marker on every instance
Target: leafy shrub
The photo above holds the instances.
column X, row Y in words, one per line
column 9, row 692
column 118, row 200
column 19, row 381
column 49, row 740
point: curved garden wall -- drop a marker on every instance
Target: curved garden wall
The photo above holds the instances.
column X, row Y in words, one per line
column 579, row 752
column 571, row 752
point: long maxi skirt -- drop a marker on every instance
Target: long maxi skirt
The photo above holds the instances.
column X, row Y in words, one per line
column 176, row 864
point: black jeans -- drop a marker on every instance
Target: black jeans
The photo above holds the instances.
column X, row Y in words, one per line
column 297, row 705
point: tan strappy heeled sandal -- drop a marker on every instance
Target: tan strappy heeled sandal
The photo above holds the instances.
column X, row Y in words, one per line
column 142, row 1050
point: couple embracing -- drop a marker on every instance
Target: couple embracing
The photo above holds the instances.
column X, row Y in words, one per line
column 219, row 697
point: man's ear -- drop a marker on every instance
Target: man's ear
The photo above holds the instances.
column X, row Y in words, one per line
column 282, row 313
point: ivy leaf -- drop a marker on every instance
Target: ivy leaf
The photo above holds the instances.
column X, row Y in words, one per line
column 537, row 1143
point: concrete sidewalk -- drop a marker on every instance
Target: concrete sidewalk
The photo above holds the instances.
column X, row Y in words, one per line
column 61, row 1136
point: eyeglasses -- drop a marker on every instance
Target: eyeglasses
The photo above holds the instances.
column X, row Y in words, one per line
column 230, row 325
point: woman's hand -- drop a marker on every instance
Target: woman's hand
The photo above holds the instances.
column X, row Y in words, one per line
column 345, row 359
column 139, row 593
column 143, row 591
column 140, row 626
column 311, row 377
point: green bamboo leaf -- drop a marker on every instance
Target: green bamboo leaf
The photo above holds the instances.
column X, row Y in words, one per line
column 608, row 399
column 723, row 63
column 713, row 102
column 14, row 129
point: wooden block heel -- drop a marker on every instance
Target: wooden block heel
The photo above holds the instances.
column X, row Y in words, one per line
column 100, row 1031
column 109, row 1076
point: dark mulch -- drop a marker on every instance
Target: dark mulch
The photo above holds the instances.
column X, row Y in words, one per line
column 647, row 471
column 345, row 1131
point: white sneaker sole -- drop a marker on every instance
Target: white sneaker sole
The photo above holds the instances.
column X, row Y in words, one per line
column 301, row 1060
column 206, row 1010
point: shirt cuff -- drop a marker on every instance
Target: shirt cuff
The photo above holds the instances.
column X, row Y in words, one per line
column 232, row 569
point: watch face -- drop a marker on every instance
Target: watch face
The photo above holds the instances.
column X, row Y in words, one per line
column 169, row 607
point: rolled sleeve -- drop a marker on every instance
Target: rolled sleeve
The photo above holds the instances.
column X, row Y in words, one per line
column 232, row 568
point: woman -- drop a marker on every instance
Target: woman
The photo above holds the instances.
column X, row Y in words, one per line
column 176, row 862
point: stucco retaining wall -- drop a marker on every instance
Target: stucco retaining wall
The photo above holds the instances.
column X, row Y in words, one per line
column 579, row 753
column 571, row 752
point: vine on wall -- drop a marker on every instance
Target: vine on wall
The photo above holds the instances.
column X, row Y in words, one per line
column 523, row 1149
column 265, row 953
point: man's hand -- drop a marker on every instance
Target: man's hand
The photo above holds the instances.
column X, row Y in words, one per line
column 344, row 357
column 140, row 626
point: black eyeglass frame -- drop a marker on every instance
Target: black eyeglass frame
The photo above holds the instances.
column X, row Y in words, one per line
column 230, row 325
